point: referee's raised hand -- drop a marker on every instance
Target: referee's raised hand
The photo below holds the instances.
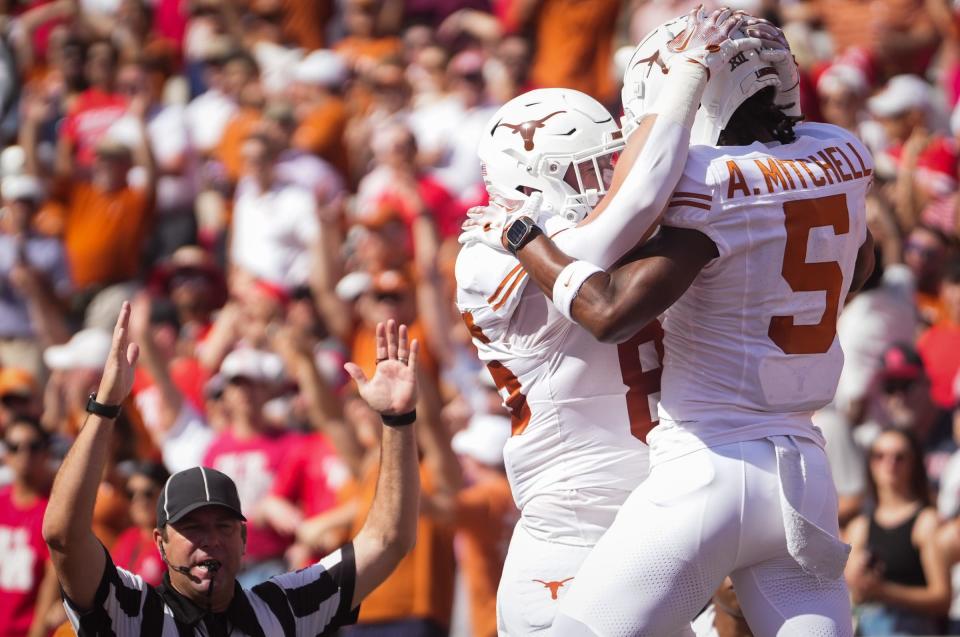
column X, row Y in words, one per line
column 393, row 389
column 117, row 377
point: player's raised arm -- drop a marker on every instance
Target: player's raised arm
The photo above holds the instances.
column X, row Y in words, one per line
column 390, row 530
column 76, row 553
column 663, row 88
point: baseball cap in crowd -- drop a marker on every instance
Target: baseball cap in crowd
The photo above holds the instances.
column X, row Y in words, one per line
column 87, row 349
column 189, row 261
column 321, row 68
column 483, row 439
column 352, row 285
column 390, row 282
column 195, row 488
column 901, row 94
column 467, row 64
column 840, row 76
column 13, row 160
column 20, row 188
column 112, row 147
column 253, row 364
column 900, row 368
column 17, row 382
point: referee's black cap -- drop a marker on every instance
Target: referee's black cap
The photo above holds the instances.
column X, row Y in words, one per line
column 195, row 488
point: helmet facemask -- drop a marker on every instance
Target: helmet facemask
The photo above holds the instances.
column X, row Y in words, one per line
column 559, row 142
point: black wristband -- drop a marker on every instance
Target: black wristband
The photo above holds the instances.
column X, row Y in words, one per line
column 104, row 411
column 400, row 420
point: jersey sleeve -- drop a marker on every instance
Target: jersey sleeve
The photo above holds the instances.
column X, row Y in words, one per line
column 315, row 600
column 117, row 605
column 489, row 287
column 692, row 205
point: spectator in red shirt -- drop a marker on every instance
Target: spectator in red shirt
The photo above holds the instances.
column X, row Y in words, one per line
column 135, row 549
column 95, row 110
column 940, row 345
column 251, row 453
column 28, row 585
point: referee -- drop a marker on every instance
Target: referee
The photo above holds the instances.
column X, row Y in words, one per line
column 201, row 532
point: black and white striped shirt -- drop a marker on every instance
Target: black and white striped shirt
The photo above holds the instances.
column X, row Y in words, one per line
column 311, row 602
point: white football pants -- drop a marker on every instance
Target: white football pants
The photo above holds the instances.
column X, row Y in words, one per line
column 711, row 513
column 552, row 539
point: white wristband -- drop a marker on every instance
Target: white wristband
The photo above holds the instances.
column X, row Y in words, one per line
column 568, row 283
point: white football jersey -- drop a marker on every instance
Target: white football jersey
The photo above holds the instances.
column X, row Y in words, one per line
column 580, row 408
column 751, row 346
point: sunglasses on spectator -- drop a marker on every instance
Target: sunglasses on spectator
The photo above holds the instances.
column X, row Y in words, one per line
column 926, row 251
column 388, row 297
column 240, row 381
column 473, row 78
column 896, row 456
column 187, row 277
column 147, row 494
column 897, row 386
column 14, row 400
column 33, row 447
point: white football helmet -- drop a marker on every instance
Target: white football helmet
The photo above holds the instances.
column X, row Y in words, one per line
column 558, row 141
column 646, row 75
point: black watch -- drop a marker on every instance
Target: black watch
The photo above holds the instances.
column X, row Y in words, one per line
column 522, row 231
column 106, row 411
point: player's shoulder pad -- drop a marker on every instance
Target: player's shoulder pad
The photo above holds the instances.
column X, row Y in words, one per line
column 837, row 136
column 489, row 286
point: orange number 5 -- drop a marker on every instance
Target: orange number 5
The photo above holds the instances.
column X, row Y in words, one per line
column 800, row 217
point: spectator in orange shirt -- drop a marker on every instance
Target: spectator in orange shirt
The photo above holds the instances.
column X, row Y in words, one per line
column 484, row 514
column 365, row 44
column 417, row 599
column 925, row 252
column 320, row 107
column 107, row 215
column 574, row 44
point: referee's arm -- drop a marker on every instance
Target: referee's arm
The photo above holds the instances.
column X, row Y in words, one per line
column 390, row 530
column 77, row 555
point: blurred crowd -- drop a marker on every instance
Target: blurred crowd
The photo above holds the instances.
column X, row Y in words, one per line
column 268, row 179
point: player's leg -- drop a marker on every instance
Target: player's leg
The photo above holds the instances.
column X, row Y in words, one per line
column 671, row 545
column 536, row 575
column 777, row 595
column 779, row 598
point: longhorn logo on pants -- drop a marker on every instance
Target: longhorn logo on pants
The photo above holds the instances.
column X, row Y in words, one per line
column 553, row 586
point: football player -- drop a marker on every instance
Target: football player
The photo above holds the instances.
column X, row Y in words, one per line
column 761, row 241
column 580, row 409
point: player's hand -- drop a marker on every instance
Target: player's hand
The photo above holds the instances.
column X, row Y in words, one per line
column 487, row 224
column 776, row 52
column 707, row 40
column 118, row 372
column 393, row 389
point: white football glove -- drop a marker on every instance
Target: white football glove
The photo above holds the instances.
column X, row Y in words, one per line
column 486, row 224
column 706, row 40
column 776, row 51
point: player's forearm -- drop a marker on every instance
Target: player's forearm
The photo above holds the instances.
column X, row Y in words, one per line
column 596, row 307
column 629, row 213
